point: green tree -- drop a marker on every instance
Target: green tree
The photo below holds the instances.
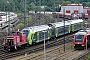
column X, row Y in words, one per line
column 88, row 57
column 66, row 2
column 53, row 4
column 84, row 4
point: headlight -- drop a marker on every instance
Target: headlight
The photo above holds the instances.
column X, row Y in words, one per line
column 83, row 45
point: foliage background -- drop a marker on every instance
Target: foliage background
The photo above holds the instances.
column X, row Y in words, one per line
column 52, row 5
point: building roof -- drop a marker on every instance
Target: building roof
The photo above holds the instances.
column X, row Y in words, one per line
column 86, row 8
column 71, row 5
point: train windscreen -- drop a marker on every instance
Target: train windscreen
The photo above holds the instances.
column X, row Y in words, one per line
column 26, row 32
column 79, row 38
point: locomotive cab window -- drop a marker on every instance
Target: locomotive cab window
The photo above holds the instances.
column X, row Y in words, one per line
column 18, row 33
column 13, row 33
column 26, row 32
column 79, row 38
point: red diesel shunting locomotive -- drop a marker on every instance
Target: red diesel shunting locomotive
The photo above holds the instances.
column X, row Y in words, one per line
column 17, row 39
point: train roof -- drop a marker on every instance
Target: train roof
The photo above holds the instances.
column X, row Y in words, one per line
column 39, row 28
column 80, row 33
column 26, row 29
column 76, row 21
column 67, row 22
column 58, row 24
column 84, row 31
column 45, row 27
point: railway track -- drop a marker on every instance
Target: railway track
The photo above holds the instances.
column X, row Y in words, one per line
column 54, row 54
column 50, row 53
column 31, row 49
column 83, row 56
column 70, row 55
